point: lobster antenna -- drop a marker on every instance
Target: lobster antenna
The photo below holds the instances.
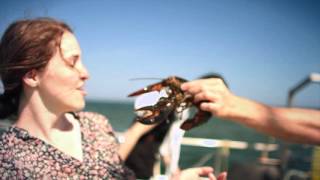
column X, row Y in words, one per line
column 137, row 79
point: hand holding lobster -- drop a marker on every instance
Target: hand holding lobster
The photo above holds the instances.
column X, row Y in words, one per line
column 175, row 100
column 214, row 95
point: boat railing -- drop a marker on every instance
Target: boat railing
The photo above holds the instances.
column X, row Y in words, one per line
column 312, row 78
column 223, row 153
column 315, row 164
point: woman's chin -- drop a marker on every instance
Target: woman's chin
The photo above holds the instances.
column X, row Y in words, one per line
column 81, row 106
column 77, row 106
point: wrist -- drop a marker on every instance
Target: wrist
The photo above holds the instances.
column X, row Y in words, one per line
column 134, row 132
column 239, row 108
column 233, row 109
column 249, row 112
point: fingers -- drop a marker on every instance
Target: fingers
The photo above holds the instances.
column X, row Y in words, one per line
column 192, row 87
column 196, row 173
column 206, row 96
column 203, row 171
column 210, row 107
column 205, row 89
column 196, row 85
column 212, row 177
column 222, row 176
column 207, row 172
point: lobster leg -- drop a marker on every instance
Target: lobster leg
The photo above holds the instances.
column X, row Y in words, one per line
column 200, row 118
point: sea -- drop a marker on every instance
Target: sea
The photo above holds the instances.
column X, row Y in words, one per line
column 121, row 114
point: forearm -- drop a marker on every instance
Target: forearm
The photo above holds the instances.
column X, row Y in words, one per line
column 293, row 124
column 131, row 137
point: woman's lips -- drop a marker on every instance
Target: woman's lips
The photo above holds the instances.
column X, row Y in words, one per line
column 82, row 90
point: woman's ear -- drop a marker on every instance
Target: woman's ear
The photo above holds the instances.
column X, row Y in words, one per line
column 30, row 78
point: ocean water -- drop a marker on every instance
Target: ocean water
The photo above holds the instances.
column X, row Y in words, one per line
column 120, row 115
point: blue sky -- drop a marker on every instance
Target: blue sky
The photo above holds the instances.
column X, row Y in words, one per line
column 262, row 48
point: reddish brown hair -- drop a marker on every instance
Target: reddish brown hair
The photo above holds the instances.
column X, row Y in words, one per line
column 25, row 45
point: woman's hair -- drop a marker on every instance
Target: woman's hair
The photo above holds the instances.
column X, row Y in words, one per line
column 25, row 45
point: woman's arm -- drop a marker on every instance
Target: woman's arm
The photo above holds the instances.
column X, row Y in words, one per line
column 131, row 137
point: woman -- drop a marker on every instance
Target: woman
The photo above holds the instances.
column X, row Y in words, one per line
column 43, row 79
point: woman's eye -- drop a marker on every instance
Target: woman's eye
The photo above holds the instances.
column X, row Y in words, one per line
column 72, row 61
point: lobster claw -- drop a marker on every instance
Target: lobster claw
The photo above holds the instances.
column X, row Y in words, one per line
column 170, row 98
column 200, row 118
column 153, row 87
column 151, row 115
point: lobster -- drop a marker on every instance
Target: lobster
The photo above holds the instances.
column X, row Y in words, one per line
column 175, row 100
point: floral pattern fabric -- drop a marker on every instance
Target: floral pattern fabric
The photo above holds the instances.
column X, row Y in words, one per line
column 23, row 156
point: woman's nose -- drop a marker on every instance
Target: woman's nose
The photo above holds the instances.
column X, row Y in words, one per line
column 84, row 73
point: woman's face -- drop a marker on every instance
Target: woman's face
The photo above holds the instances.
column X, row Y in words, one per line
column 61, row 84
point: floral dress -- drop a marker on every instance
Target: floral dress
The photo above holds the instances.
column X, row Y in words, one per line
column 23, row 156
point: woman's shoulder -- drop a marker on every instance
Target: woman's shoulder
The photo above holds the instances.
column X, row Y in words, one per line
column 92, row 117
column 10, row 138
column 13, row 145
